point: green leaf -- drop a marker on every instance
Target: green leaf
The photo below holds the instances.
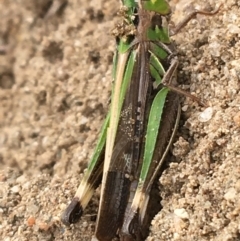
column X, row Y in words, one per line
column 127, row 76
column 130, row 3
column 158, row 6
column 152, row 131
column 159, row 34
column 154, row 61
column 100, row 144
column 123, row 46
column 158, row 51
column 156, row 76
column 156, row 69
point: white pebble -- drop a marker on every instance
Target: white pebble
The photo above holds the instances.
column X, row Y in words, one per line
column 230, row 194
column 181, row 213
column 206, row 115
column 15, row 189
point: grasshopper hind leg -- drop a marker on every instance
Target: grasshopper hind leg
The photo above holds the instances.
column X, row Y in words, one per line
column 72, row 213
column 139, row 229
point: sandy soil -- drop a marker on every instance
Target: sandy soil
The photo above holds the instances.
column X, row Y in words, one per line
column 55, row 83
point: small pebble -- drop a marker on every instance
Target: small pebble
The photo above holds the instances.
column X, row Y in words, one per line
column 230, row 195
column 236, row 119
column 206, row 115
column 31, row 221
column 15, row 189
column 43, row 226
column 181, row 213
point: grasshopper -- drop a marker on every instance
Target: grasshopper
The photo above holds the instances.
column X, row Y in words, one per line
column 140, row 126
